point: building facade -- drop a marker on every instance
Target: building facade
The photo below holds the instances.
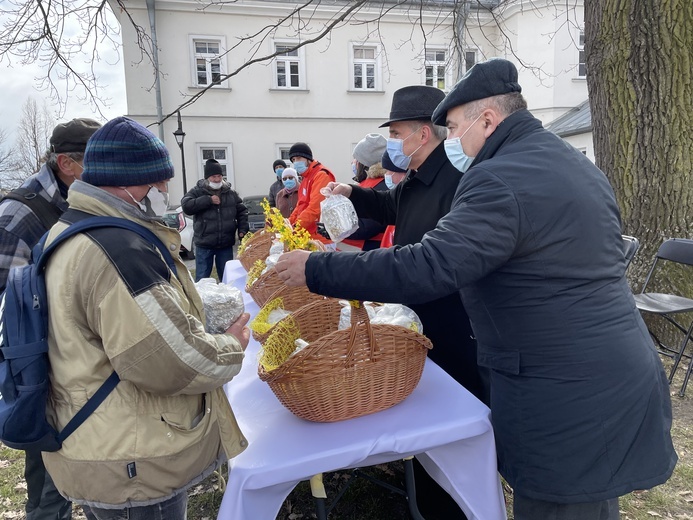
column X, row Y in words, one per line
column 331, row 76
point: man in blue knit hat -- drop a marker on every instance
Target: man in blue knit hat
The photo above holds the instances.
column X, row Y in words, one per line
column 116, row 306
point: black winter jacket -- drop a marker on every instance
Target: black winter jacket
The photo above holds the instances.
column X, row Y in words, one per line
column 215, row 225
column 579, row 399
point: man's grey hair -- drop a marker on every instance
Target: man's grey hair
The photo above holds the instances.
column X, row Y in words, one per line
column 51, row 159
column 505, row 104
column 439, row 132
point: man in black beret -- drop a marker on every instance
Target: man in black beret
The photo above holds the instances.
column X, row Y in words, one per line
column 580, row 403
column 25, row 215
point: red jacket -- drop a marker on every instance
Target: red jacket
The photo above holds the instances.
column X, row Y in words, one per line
column 307, row 210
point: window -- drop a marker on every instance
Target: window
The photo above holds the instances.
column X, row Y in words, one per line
column 365, row 68
column 469, row 60
column 288, row 66
column 221, row 153
column 283, row 151
column 582, row 64
column 436, row 66
column 208, row 63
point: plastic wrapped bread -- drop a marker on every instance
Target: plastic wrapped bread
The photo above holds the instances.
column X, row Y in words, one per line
column 223, row 304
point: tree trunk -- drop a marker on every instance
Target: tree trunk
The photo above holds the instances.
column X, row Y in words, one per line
column 639, row 78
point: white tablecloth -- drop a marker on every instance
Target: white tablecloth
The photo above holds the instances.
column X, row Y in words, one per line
column 441, row 423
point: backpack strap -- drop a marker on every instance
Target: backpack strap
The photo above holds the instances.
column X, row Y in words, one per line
column 80, row 227
column 47, row 212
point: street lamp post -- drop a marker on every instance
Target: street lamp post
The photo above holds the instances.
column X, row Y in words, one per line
column 180, row 137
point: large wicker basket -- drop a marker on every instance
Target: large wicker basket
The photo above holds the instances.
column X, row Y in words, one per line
column 288, row 298
column 348, row 373
column 264, row 286
column 257, row 248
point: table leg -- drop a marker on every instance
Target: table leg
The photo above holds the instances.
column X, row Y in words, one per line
column 317, row 489
column 410, row 486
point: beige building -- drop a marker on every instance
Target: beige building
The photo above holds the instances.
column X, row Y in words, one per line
column 332, row 92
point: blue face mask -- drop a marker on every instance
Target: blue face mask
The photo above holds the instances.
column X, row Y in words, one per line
column 300, row 167
column 389, row 182
column 455, row 152
column 289, row 183
column 395, row 149
column 279, row 172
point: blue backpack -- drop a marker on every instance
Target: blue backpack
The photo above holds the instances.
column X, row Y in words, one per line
column 24, row 382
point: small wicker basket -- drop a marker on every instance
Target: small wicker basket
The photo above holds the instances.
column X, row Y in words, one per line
column 257, row 248
column 347, row 373
column 264, row 287
column 288, row 298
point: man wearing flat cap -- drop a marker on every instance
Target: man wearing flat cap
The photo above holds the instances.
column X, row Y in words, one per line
column 414, row 207
column 579, row 399
column 116, row 306
column 25, row 215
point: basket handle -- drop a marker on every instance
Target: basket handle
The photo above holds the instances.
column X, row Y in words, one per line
column 359, row 315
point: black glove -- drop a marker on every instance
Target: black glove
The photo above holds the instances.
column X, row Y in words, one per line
column 322, row 231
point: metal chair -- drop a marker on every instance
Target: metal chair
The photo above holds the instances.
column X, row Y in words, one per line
column 630, row 247
column 673, row 305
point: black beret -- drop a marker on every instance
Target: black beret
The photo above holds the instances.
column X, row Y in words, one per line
column 301, row 150
column 212, row 167
column 489, row 78
column 73, row 135
column 414, row 103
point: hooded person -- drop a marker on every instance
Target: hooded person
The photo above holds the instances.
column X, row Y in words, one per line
column 579, row 399
column 116, row 306
column 287, row 198
column 219, row 215
column 277, row 167
column 314, row 177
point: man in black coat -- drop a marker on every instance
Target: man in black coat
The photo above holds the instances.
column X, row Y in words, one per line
column 414, row 207
column 218, row 213
column 579, row 399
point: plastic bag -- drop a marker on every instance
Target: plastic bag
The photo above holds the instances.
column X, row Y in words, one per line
column 389, row 314
column 338, row 215
column 223, row 304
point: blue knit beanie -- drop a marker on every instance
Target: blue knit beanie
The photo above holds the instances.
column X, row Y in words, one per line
column 124, row 153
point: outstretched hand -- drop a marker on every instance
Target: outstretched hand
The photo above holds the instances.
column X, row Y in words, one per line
column 240, row 331
column 339, row 188
column 291, row 267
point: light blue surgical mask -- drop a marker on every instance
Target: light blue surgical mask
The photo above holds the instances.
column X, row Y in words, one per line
column 300, row 167
column 289, row 183
column 389, row 182
column 395, row 149
column 279, row 172
column 455, row 152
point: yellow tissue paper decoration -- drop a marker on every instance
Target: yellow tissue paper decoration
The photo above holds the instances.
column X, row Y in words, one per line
column 255, row 272
column 280, row 345
column 244, row 242
column 259, row 323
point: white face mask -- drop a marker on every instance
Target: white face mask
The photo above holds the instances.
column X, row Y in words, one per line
column 154, row 203
column 215, row 185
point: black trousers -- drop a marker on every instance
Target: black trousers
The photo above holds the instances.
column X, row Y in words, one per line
column 531, row 509
column 44, row 501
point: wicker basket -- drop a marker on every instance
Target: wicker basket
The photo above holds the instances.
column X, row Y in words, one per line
column 348, row 373
column 257, row 248
column 264, row 287
column 288, row 298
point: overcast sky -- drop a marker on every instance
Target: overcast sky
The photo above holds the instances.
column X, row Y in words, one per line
column 17, row 83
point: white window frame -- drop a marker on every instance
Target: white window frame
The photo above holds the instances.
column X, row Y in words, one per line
column 281, row 150
column 228, row 162
column 221, row 41
column 376, row 62
column 448, row 77
column 581, row 69
column 287, row 60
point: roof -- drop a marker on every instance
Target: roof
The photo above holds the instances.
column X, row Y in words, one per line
column 577, row 120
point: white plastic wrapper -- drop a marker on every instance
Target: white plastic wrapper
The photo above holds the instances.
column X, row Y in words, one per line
column 271, row 261
column 276, row 315
column 388, row 314
column 300, row 345
column 338, row 215
column 223, row 304
column 277, row 248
